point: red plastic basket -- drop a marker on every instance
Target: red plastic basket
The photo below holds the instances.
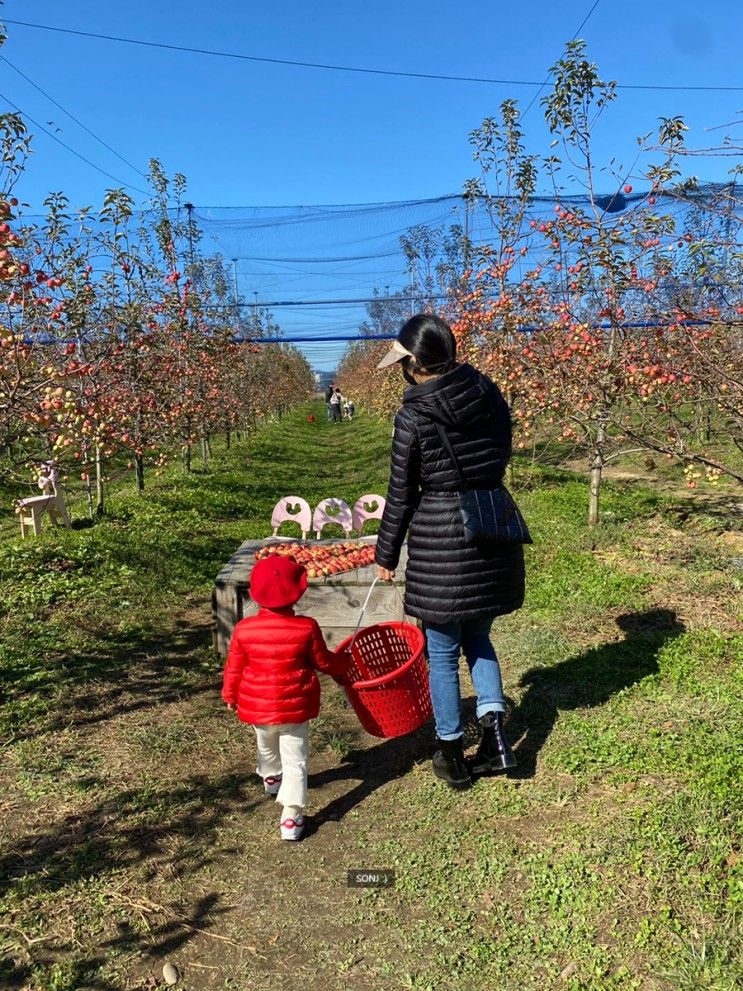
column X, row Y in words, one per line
column 389, row 678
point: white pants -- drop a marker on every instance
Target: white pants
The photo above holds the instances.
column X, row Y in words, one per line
column 283, row 749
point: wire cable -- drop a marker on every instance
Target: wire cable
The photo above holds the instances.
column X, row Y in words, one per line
column 549, row 74
column 70, row 149
column 341, row 68
column 72, row 116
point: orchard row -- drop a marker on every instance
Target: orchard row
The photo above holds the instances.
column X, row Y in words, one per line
column 119, row 343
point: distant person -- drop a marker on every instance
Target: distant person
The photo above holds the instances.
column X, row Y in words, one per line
column 336, row 404
column 328, row 396
column 269, row 678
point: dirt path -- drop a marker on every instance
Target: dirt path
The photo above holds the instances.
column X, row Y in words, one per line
column 254, row 909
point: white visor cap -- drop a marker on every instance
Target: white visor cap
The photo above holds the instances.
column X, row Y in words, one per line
column 396, row 353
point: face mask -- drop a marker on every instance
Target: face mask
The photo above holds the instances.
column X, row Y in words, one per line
column 405, row 365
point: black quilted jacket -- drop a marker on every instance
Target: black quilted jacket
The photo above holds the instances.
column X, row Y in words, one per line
column 447, row 580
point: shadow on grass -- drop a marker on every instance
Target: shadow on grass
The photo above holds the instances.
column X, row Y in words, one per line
column 724, row 508
column 585, row 681
column 78, row 974
column 173, row 831
column 126, row 673
column 371, row 767
column 588, row 680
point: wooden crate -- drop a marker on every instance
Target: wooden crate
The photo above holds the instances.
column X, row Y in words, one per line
column 335, row 602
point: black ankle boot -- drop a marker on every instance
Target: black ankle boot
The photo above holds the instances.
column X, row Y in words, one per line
column 449, row 764
column 494, row 752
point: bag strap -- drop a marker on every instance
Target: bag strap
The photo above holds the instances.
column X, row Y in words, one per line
column 450, row 451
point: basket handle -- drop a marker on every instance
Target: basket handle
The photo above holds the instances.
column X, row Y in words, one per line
column 361, row 616
column 366, row 603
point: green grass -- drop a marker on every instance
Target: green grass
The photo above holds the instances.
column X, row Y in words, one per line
column 607, row 861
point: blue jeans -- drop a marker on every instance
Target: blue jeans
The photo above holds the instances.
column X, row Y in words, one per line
column 445, row 644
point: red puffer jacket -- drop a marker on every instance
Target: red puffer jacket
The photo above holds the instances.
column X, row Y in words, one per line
column 270, row 669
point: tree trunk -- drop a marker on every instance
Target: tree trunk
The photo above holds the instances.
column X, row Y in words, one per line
column 100, row 506
column 186, row 454
column 597, row 470
column 599, row 454
column 705, row 425
column 139, row 469
column 204, row 450
column 88, row 480
column 227, row 438
column 509, row 466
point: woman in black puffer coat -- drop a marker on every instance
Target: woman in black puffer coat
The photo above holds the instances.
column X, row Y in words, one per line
column 455, row 588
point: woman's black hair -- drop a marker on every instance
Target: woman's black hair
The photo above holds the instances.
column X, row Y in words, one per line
column 431, row 341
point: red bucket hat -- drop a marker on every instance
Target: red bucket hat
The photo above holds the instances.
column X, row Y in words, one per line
column 277, row 582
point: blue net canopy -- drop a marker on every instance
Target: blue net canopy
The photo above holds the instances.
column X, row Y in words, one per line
column 317, row 269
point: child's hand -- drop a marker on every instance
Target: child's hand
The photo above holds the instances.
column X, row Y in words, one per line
column 231, row 706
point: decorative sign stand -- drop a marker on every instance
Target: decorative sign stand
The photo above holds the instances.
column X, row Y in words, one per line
column 31, row 511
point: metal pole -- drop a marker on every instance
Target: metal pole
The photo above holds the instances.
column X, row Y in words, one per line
column 466, row 232
column 237, row 297
column 189, row 210
column 234, row 277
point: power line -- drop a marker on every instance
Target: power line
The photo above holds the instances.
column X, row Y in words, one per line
column 402, row 295
column 523, row 329
column 585, row 19
column 323, row 341
column 549, row 74
column 72, row 116
column 70, row 149
column 341, row 68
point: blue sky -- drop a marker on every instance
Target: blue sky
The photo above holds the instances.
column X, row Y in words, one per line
column 256, row 134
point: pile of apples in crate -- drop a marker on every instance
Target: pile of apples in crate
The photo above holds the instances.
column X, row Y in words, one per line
column 322, row 560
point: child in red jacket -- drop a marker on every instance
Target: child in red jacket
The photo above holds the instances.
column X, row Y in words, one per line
column 270, row 679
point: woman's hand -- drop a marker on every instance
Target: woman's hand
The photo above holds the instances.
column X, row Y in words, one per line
column 384, row 574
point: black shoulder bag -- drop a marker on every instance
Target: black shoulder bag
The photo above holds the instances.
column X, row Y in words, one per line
column 488, row 515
